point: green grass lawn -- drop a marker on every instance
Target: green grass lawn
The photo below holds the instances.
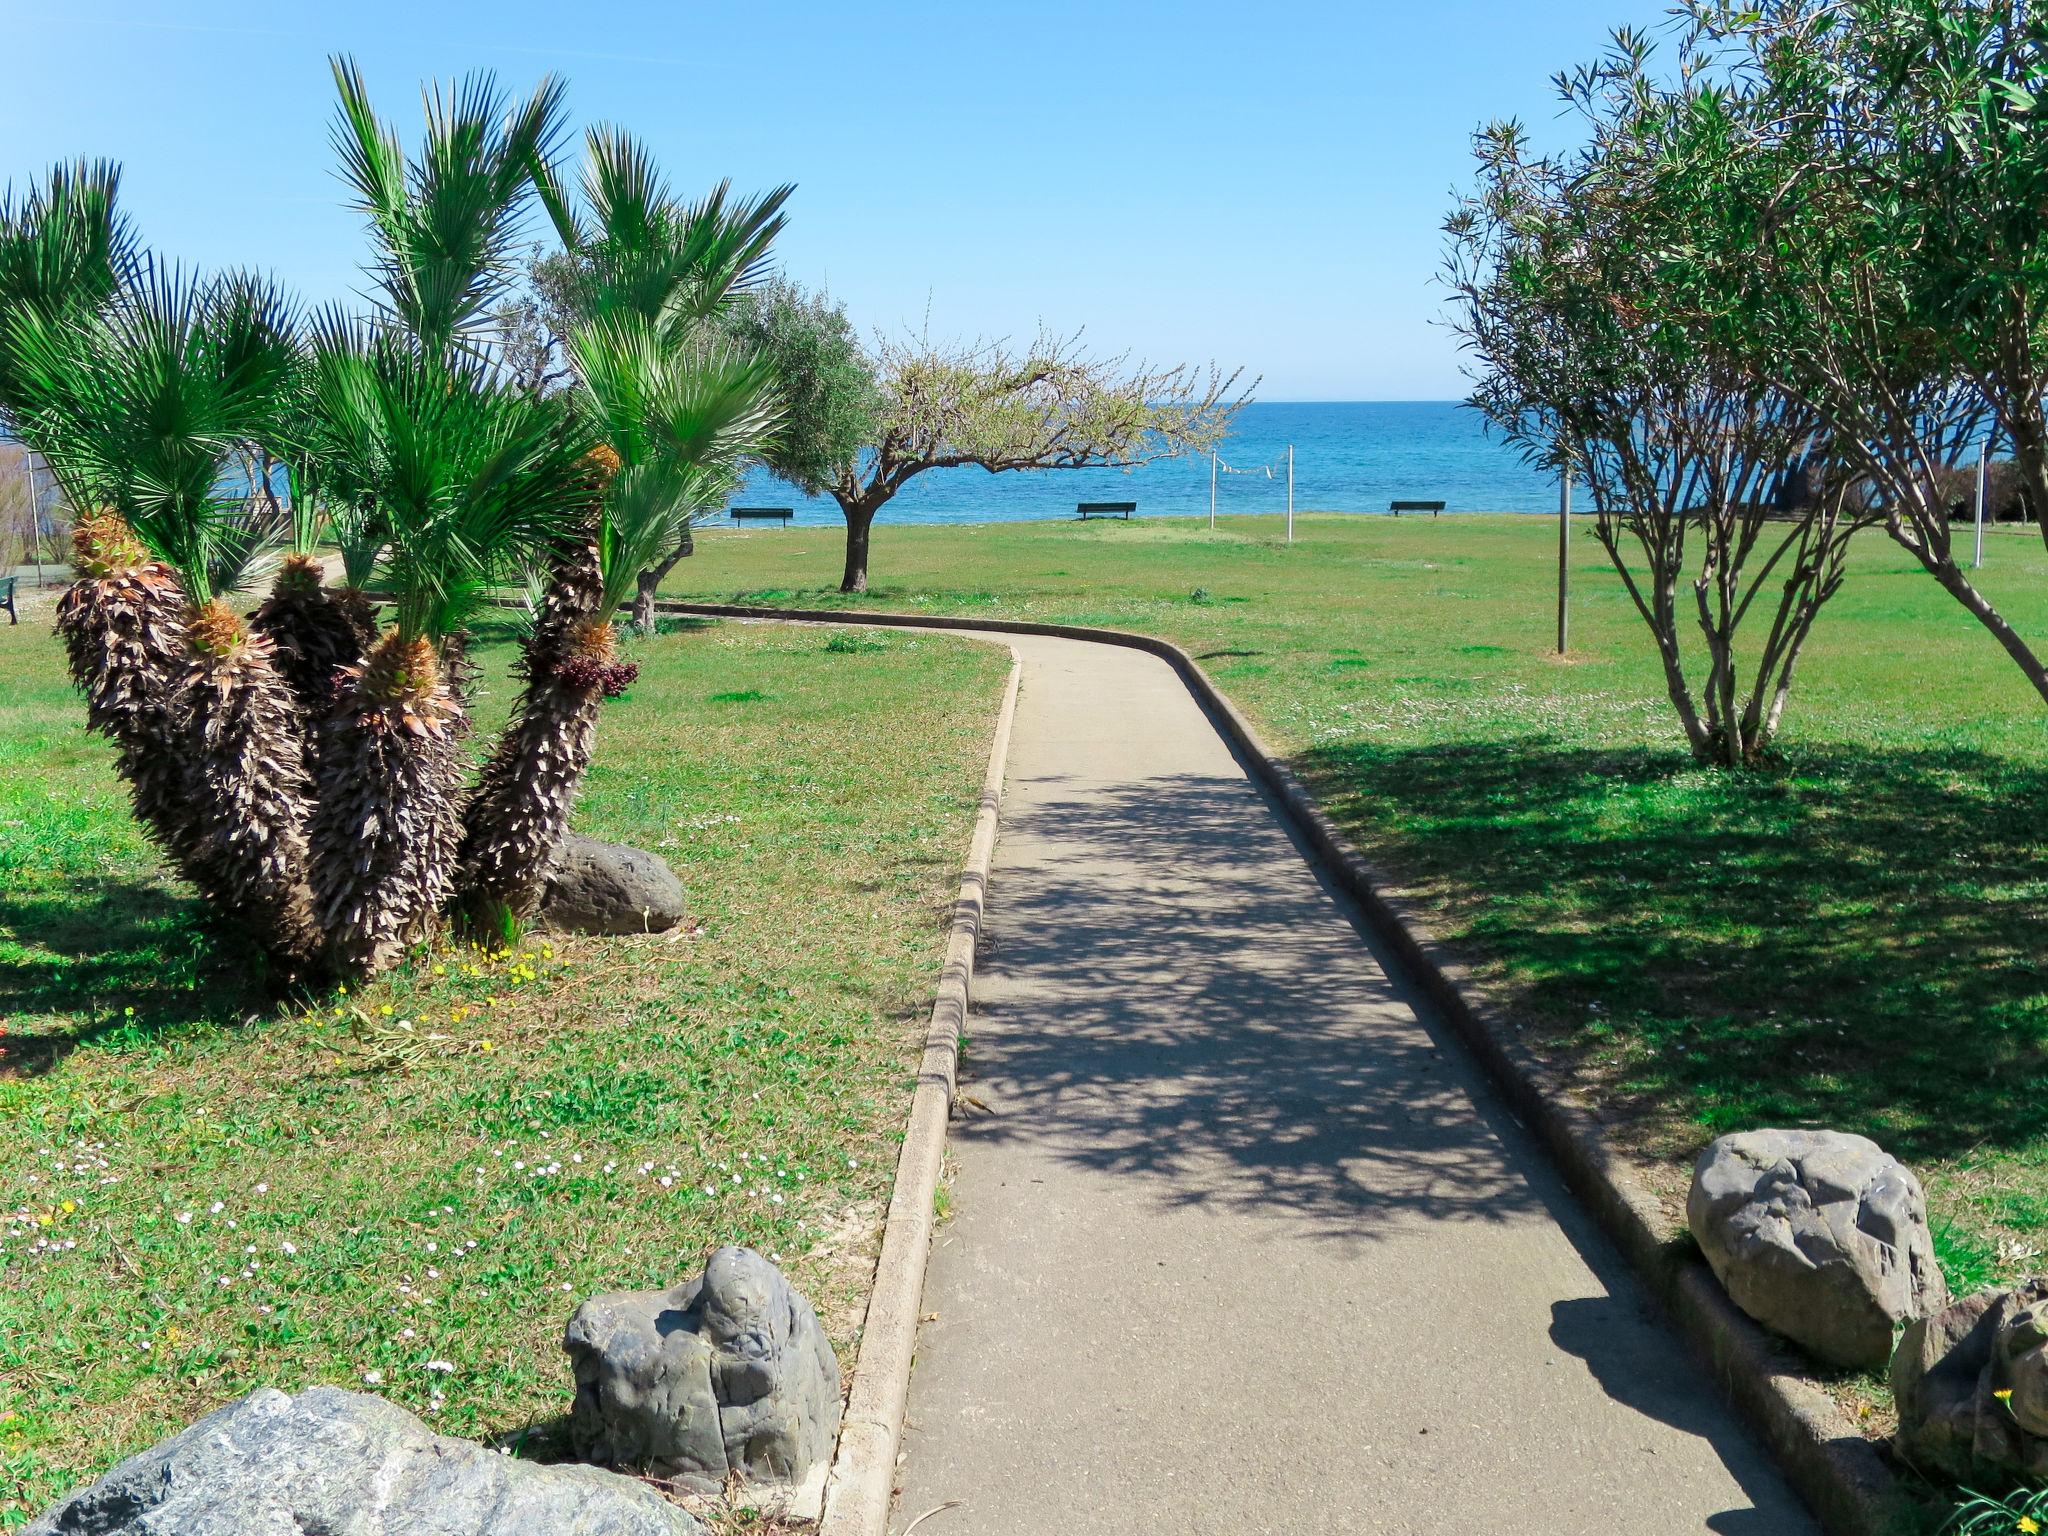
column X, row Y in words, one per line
column 201, row 1192
column 1856, row 936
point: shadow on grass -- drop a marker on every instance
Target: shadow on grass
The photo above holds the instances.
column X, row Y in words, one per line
column 86, row 953
column 1849, row 938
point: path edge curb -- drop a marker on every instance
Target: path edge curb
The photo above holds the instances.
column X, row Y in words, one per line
column 861, row 1486
column 1832, row 1464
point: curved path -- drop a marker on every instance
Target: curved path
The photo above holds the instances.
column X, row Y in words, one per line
column 1243, row 1244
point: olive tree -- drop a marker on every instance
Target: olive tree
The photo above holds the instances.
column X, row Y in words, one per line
column 864, row 419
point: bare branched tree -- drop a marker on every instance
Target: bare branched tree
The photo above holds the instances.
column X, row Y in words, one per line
column 988, row 405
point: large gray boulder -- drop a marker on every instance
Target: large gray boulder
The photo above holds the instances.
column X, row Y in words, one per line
column 595, row 887
column 1819, row 1235
column 341, row 1463
column 1971, row 1387
column 730, row 1373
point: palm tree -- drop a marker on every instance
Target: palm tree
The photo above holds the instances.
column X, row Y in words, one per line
column 439, row 477
column 678, row 415
column 140, row 407
column 473, row 479
column 315, row 631
column 63, row 248
column 676, row 424
column 640, row 252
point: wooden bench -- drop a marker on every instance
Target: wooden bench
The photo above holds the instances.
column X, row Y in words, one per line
column 1087, row 509
column 763, row 515
column 1431, row 507
column 7, row 599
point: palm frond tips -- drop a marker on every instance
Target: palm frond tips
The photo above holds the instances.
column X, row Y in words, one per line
column 64, row 243
column 447, row 224
column 645, row 253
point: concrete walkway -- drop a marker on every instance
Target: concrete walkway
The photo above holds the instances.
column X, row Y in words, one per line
column 1242, row 1243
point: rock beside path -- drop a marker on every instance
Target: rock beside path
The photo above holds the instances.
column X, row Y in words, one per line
column 595, row 887
column 341, row 1463
column 1971, row 1387
column 730, row 1373
column 1819, row 1235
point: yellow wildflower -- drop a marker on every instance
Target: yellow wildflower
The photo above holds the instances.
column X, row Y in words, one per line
column 486, row 1045
column 2004, row 1394
column 2028, row 1524
column 68, row 1207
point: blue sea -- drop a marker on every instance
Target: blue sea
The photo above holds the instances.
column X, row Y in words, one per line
column 1349, row 456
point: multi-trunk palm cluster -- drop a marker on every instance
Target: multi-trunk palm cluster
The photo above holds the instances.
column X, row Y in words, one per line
column 307, row 764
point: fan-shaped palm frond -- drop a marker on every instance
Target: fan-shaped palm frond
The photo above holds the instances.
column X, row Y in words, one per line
column 448, row 224
column 642, row 253
column 471, row 479
column 64, row 248
column 682, row 420
column 143, row 406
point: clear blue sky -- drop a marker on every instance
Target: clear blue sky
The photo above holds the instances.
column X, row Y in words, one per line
column 1260, row 184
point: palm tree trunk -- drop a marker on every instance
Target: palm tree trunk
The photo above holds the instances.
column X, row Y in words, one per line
column 250, row 794
column 120, row 625
column 528, row 789
column 206, row 732
column 313, row 637
column 388, row 824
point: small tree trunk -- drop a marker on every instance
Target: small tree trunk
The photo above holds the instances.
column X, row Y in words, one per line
column 523, row 799
column 859, row 519
column 643, row 602
column 650, row 581
column 1944, row 570
column 251, row 795
column 312, row 638
column 388, row 821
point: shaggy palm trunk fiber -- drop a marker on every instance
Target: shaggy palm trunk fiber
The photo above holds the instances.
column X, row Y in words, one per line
column 528, row 789
column 314, row 636
column 251, row 796
column 120, row 623
column 388, row 823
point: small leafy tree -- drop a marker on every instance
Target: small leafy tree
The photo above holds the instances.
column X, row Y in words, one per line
column 1051, row 405
column 862, row 421
column 832, row 398
column 1688, row 455
column 1843, row 225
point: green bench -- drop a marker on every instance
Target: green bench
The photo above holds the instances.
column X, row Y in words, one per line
column 1087, row 509
column 1431, row 507
column 763, row 514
